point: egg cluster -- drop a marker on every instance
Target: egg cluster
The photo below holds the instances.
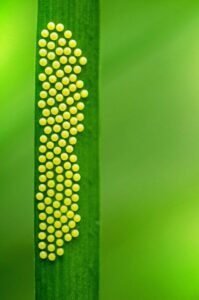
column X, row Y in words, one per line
column 61, row 104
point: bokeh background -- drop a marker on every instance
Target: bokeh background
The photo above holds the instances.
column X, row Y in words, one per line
column 149, row 149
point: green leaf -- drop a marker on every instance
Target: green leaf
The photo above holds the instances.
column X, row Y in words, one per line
column 75, row 275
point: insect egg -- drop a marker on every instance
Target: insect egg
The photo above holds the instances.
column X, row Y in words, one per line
column 60, row 121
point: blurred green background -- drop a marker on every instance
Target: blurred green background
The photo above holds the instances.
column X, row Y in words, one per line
column 149, row 149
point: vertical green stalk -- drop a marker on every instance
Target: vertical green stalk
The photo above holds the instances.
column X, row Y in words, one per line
column 74, row 276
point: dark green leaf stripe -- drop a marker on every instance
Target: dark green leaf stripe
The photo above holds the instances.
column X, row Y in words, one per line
column 74, row 276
